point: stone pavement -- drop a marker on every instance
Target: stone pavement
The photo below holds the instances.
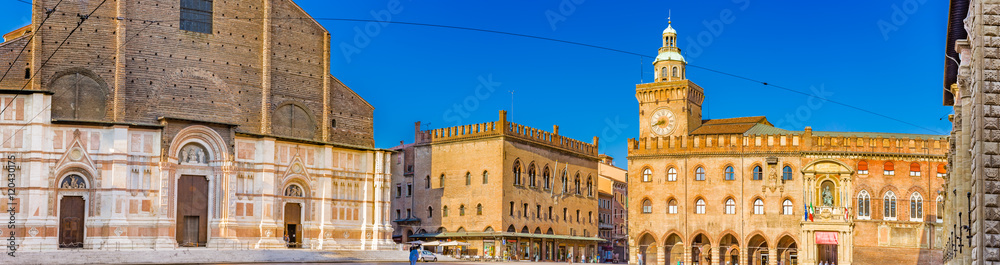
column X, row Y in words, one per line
column 205, row 255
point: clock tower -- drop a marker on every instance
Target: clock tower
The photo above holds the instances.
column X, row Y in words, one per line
column 671, row 104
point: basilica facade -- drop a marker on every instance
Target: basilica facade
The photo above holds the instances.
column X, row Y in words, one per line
column 165, row 124
column 741, row 191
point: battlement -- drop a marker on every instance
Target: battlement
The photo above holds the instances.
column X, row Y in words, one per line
column 792, row 141
column 505, row 128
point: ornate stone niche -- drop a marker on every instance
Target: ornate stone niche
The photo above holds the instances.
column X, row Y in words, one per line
column 193, row 154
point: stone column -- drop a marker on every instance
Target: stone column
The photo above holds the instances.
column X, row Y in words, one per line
column 116, row 178
column 270, row 229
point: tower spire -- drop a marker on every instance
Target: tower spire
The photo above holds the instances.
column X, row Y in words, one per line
column 669, row 63
column 668, row 16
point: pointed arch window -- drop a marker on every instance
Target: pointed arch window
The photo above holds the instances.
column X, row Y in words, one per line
column 889, row 206
column 758, row 206
column 672, row 174
column 468, row 178
column 758, row 174
column 672, row 206
column 517, row 172
column 565, row 181
column 441, row 180
column 730, row 206
column 786, row 173
column 864, row 205
column 590, row 186
column 576, row 182
column 427, row 182
column 547, row 178
column 461, row 210
column 531, row 175
column 786, row 207
column 862, row 167
column 647, row 175
column 444, row 211
column 916, row 207
column 430, row 212
column 479, row 209
column 647, row 206
column 486, row 177
column 730, row 173
column 699, row 206
column 699, row 173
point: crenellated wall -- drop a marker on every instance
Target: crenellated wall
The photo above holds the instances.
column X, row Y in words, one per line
column 509, row 129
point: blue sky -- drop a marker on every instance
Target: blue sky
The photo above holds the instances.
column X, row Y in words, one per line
column 883, row 56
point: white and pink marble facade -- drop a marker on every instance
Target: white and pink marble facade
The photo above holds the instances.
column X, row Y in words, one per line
column 131, row 172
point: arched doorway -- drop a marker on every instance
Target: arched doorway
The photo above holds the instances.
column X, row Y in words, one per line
column 757, row 248
column 72, row 217
column 293, row 217
column 788, row 252
column 729, row 246
column 701, row 250
column 673, row 249
column 647, row 249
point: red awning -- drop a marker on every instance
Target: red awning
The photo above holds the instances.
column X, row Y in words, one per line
column 826, row 238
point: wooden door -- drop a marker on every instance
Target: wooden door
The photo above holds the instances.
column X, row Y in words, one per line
column 293, row 227
column 827, row 253
column 71, row 221
column 192, row 211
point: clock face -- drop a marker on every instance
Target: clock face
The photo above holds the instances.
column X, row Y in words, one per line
column 662, row 122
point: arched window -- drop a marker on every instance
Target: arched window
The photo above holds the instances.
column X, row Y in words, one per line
column 786, row 173
column 758, row 174
column 511, row 208
column 430, row 212
column 78, row 96
column 444, row 211
column 889, row 206
column 786, row 207
column 531, row 175
column 479, row 209
column 441, row 180
column 590, row 186
column 730, row 206
column 916, row 207
column 730, row 173
column 888, row 169
column 576, row 182
column 864, row 205
column 675, row 71
column 517, row 172
column 486, row 177
column 647, row 206
column 293, row 120
column 671, row 174
column 547, row 177
column 647, row 175
column 672, row 206
column 699, row 173
column 699, row 206
column 862, row 167
column 914, row 169
column 461, row 210
column 468, row 178
column 941, row 170
column 565, row 181
column 940, row 209
column 427, row 182
column 758, row 206
column 663, row 72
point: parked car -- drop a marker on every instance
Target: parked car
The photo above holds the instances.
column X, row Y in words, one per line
column 426, row 256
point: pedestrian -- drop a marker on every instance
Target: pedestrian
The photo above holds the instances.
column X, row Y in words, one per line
column 569, row 258
column 641, row 261
column 414, row 255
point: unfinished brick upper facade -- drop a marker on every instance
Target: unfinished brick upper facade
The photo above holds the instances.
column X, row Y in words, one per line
column 135, row 107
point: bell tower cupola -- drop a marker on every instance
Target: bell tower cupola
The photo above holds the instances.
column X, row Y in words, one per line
column 669, row 64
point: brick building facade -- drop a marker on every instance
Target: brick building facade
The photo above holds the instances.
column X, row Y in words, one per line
column 501, row 187
column 159, row 124
column 727, row 191
column 612, row 187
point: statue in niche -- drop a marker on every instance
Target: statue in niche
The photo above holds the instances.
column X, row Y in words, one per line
column 73, row 182
column 827, row 196
column 193, row 154
column 293, row 191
